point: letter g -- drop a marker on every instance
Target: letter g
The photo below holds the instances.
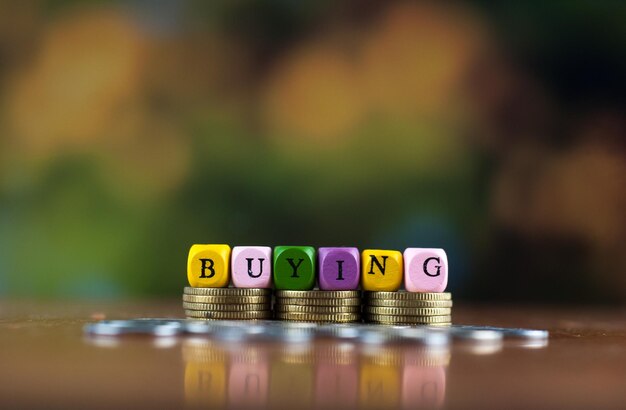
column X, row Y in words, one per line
column 432, row 275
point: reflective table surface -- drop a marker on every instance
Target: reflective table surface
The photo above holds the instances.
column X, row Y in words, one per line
column 47, row 361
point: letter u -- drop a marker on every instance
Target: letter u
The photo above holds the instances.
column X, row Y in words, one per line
column 250, row 272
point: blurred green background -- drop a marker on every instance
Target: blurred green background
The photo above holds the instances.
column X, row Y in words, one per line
column 131, row 130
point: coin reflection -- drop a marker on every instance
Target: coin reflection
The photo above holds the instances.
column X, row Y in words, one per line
column 336, row 375
column 291, row 377
column 205, row 374
column 424, row 377
column 248, row 376
column 324, row 374
column 379, row 385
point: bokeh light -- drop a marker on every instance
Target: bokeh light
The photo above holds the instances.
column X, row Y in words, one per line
column 130, row 130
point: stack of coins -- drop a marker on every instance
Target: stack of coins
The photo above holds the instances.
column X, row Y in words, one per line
column 408, row 308
column 227, row 303
column 330, row 306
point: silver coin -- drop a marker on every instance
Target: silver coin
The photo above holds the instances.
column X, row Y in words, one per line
column 481, row 349
column 227, row 330
column 155, row 327
column 479, row 339
column 481, row 336
column 528, row 343
column 199, row 327
column 293, row 332
column 424, row 336
column 507, row 333
column 377, row 335
column 341, row 331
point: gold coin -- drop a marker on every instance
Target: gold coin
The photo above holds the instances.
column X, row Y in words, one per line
column 390, row 356
column 203, row 351
column 335, row 353
column 227, row 291
column 316, row 309
column 410, row 324
column 404, row 295
column 396, row 323
column 319, row 302
column 227, row 299
column 314, row 294
column 407, row 311
column 228, row 307
column 409, row 303
column 371, row 317
column 312, row 317
column 251, row 314
column 296, row 357
column 429, row 356
column 424, row 357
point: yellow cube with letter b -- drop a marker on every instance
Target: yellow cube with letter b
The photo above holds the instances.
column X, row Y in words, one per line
column 208, row 266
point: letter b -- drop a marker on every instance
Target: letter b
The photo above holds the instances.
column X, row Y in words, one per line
column 208, row 266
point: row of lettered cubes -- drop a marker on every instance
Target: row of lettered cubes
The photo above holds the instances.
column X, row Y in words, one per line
column 300, row 267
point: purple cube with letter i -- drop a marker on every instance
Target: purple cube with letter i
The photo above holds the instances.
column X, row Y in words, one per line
column 339, row 268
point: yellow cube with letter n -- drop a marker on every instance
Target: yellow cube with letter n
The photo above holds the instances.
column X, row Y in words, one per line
column 381, row 270
column 208, row 266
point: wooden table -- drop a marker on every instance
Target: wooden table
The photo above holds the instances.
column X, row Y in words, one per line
column 46, row 361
